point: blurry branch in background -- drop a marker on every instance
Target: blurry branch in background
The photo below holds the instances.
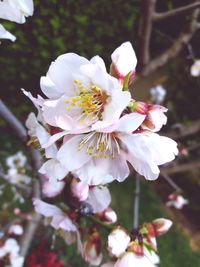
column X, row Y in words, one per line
column 146, row 67
column 172, row 183
column 136, row 202
column 181, row 168
column 36, row 162
column 184, row 130
column 175, row 12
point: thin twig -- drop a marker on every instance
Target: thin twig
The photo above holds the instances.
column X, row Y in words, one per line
column 175, row 12
column 181, row 168
column 172, row 183
column 145, row 29
column 36, row 160
column 136, row 202
column 180, row 42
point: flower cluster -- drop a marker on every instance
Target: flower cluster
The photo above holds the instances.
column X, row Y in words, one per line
column 14, row 10
column 89, row 129
column 137, row 249
column 9, row 248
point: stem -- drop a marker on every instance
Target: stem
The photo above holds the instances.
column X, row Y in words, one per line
column 136, row 202
column 103, row 224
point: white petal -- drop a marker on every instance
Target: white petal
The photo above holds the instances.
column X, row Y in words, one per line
column 99, row 61
column 99, row 198
column 53, row 169
column 46, row 209
column 62, row 72
column 116, row 104
column 70, row 156
column 49, row 88
column 130, row 122
column 6, row 34
column 140, row 157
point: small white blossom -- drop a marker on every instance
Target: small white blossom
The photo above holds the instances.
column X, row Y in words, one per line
column 195, row 68
column 158, row 94
column 118, row 241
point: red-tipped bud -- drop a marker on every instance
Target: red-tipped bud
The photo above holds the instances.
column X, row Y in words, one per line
column 161, row 226
column 108, row 215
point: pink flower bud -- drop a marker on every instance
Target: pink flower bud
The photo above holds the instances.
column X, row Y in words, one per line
column 155, row 118
column 161, row 226
column 92, row 249
column 118, row 241
column 16, row 229
column 108, row 216
column 124, row 62
column 79, row 189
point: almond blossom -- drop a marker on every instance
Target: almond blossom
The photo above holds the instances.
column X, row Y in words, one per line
column 81, row 93
column 177, row 201
column 102, row 155
column 158, row 94
column 195, row 68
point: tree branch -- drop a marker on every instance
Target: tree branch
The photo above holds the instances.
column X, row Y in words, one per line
column 175, row 12
column 180, row 168
column 145, row 28
column 171, row 182
column 182, row 40
column 136, row 202
column 36, row 160
column 184, row 130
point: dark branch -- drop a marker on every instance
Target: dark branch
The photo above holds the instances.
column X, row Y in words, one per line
column 145, row 28
column 181, row 41
column 36, row 161
column 136, row 202
column 175, row 12
column 180, row 168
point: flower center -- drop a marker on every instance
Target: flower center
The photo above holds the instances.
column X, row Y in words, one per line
column 91, row 102
column 100, row 145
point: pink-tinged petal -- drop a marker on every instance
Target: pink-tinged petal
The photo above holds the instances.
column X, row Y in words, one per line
column 99, row 61
column 49, row 88
column 52, row 139
column 79, row 189
column 130, row 122
column 62, row 71
column 103, row 171
column 52, row 188
column 53, row 169
column 139, row 155
column 116, row 104
column 163, row 149
column 63, row 222
column 162, row 226
column 45, row 209
column 130, row 259
column 70, row 156
column 99, row 198
column 108, row 264
column 124, row 59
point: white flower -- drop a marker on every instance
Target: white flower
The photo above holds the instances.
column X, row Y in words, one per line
column 80, row 93
column 11, row 248
column 195, row 68
column 16, row 10
column 16, row 161
column 15, row 177
column 38, row 131
column 118, row 241
column 16, row 229
column 6, row 34
column 101, row 156
column 177, row 201
column 158, row 94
